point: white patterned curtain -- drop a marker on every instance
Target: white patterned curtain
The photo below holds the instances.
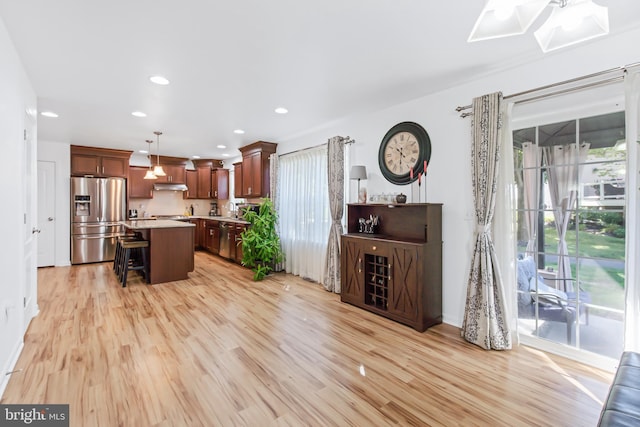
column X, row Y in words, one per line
column 564, row 167
column 486, row 318
column 632, row 264
column 305, row 220
column 335, row 172
column 531, row 196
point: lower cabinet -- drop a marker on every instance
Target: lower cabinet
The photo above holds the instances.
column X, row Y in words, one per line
column 212, row 237
column 390, row 278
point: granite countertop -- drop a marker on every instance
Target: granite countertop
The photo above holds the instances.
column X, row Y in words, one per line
column 142, row 224
column 185, row 218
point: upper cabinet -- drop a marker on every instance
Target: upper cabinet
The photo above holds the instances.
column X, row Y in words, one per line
column 192, row 185
column 99, row 162
column 255, row 169
column 237, row 180
column 213, row 180
column 137, row 186
column 174, row 167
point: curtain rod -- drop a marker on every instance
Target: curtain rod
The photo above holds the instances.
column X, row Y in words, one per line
column 346, row 141
column 552, row 85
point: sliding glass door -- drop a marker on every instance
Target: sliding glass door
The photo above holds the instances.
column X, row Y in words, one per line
column 570, row 174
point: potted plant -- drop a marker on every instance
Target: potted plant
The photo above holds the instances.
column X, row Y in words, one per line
column 260, row 242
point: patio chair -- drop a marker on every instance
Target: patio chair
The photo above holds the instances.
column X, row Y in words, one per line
column 552, row 304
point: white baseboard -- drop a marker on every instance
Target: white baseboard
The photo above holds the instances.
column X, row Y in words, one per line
column 10, row 366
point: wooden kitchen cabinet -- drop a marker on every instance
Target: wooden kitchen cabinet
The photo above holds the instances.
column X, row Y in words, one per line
column 396, row 272
column 255, row 169
column 192, row 184
column 137, row 186
column 237, row 180
column 212, row 236
column 213, row 180
column 174, row 168
column 238, row 242
column 200, row 232
column 99, row 162
column 220, row 184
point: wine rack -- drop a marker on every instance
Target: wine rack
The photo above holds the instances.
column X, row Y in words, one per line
column 378, row 277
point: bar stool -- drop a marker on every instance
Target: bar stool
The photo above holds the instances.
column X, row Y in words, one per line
column 117, row 259
column 130, row 262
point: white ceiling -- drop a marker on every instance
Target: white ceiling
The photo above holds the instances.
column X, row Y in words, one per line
column 231, row 63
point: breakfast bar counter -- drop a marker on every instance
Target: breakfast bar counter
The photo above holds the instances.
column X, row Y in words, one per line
column 170, row 248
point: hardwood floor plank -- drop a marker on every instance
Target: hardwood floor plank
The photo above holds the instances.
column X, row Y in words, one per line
column 219, row 349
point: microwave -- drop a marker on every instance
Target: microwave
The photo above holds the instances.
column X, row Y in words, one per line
column 243, row 207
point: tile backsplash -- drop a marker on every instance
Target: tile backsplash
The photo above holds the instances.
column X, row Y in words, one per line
column 172, row 203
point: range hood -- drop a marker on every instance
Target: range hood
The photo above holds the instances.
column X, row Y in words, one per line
column 167, row 186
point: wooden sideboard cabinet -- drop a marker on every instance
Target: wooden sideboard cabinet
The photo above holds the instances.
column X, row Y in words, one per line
column 397, row 271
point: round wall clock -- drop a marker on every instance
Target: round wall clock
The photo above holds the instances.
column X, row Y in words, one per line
column 405, row 147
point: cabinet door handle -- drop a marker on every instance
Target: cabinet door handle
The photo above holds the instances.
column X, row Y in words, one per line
column 390, row 275
column 374, row 248
column 103, row 170
column 216, row 193
column 97, row 169
column 359, row 265
column 249, row 190
column 209, row 194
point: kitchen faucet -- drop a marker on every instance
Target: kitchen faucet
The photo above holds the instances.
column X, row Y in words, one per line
column 232, row 209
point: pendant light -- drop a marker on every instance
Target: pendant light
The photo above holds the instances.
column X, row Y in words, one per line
column 157, row 170
column 150, row 174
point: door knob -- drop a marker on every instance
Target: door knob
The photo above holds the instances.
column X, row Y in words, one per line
column 35, row 230
column 50, row 218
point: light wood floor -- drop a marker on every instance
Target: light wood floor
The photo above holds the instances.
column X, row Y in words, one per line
column 221, row 350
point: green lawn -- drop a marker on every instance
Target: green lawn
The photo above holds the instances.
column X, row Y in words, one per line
column 605, row 284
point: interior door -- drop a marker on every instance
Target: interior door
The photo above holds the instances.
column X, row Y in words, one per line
column 30, row 209
column 46, row 211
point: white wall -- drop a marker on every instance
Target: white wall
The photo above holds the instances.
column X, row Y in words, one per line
column 59, row 153
column 17, row 97
column 449, row 178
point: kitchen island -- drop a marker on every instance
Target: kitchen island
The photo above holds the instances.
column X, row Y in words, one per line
column 170, row 248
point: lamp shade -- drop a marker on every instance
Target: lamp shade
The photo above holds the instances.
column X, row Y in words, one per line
column 578, row 21
column 358, row 172
column 502, row 18
column 150, row 175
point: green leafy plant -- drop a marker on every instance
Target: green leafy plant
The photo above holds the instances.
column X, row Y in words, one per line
column 260, row 242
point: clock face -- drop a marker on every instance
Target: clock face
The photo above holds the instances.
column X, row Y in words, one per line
column 404, row 149
column 401, row 153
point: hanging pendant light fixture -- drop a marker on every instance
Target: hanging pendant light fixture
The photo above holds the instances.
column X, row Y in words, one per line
column 157, row 170
column 150, row 174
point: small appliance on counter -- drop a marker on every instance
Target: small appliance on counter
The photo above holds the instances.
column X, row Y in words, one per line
column 133, row 213
column 214, row 209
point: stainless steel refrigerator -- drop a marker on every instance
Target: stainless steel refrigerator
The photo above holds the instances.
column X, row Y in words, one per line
column 97, row 204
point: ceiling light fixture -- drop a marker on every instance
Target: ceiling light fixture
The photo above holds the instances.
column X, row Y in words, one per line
column 221, row 146
column 49, row 114
column 149, row 174
column 571, row 21
column 159, row 80
column 138, row 114
column 281, row 110
column 157, row 170
column 195, row 157
column 238, row 131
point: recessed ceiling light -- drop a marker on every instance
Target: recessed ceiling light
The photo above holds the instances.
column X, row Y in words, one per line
column 281, row 110
column 159, row 80
column 238, row 131
column 221, row 146
column 143, row 151
column 48, row 114
column 225, row 155
column 138, row 114
column 195, row 157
